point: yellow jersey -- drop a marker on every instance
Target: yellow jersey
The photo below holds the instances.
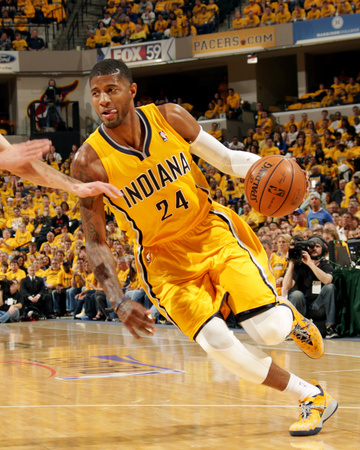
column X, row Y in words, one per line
column 164, row 192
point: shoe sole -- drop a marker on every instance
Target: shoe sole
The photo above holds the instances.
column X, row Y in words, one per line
column 330, row 410
column 313, row 355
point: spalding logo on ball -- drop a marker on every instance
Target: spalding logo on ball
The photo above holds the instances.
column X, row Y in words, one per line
column 275, row 186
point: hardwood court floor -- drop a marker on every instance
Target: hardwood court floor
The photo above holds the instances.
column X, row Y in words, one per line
column 72, row 384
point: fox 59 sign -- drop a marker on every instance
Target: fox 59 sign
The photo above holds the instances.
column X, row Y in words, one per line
column 139, row 54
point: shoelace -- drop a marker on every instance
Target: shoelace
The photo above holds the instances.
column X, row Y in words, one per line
column 302, row 332
column 307, row 407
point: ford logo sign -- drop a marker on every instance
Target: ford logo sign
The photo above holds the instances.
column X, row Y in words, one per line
column 6, row 59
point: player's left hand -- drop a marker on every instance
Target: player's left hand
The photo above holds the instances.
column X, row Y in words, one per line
column 136, row 318
column 95, row 188
column 18, row 155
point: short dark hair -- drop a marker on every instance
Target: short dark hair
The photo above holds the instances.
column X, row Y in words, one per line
column 111, row 67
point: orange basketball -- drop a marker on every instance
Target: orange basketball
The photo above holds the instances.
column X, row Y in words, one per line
column 275, row 186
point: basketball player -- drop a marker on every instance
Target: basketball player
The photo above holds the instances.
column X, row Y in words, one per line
column 197, row 259
column 23, row 160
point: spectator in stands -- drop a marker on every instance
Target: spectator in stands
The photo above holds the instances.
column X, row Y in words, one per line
column 329, row 99
column 268, row 18
column 314, row 12
column 215, row 132
column 148, row 16
column 132, row 15
column 139, row 34
column 91, row 40
column 5, row 43
column 15, row 272
column 282, row 15
column 233, row 100
column 19, row 44
column 106, row 19
column 7, row 24
column 238, row 22
column 197, row 8
column 279, row 260
column 143, row 5
column 189, row 29
column 128, row 25
column 327, row 9
column 343, row 98
column 60, row 294
column 317, row 215
column 36, row 43
column 35, row 293
column 103, row 39
column 235, row 144
column 280, row 143
column 251, row 20
column 298, row 14
column 344, row 7
column 250, row 216
column 11, row 303
column 270, row 148
column 159, row 27
column 254, row 7
column 221, row 107
column 114, row 31
column 266, row 123
column 204, row 21
column 160, row 7
column 352, row 88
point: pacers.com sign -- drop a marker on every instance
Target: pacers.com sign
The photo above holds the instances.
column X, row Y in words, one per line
column 236, row 41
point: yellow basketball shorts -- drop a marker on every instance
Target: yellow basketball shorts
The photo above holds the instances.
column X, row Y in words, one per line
column 218, row 266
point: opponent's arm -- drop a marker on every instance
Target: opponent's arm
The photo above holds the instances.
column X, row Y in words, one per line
column 23, row 160
column 87, row 167
column 202, row 144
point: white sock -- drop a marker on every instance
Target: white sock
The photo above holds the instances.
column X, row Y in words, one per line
column 300, row 388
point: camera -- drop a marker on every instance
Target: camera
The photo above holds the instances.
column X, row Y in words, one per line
column 295, row 254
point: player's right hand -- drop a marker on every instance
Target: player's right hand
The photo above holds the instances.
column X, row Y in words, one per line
column 136, row 318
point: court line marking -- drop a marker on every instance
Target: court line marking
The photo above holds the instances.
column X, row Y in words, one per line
column 163, row 405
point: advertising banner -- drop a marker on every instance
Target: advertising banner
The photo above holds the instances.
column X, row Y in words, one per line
column 142, row 53
column 236, row 41
column 9, row 62
column 330, row 28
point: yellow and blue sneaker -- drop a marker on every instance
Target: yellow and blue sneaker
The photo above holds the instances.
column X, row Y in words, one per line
column 305, row 333
column 315, row 411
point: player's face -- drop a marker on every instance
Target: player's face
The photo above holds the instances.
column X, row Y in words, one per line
column 112, row 98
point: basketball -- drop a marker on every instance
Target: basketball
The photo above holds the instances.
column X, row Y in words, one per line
column 275, row 186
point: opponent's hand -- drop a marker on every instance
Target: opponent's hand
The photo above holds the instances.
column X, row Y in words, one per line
column 17, row 155
column 95, row 188
column 136, row 318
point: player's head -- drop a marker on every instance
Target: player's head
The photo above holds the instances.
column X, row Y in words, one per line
column 112, row 92
column 111, row 67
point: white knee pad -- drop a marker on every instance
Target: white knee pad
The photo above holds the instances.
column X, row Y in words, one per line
column 270, row 327
column 243, row 360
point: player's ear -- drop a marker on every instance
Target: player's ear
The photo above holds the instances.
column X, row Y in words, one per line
column 133, row 90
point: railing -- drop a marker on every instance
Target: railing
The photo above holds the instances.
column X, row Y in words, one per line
column 78, row 20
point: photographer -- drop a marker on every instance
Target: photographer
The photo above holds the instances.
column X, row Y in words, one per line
column 11, row 301
column 53, row 98
column 309, row 282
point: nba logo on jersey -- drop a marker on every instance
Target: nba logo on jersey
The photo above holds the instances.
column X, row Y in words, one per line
column 148, row 257
column 163, row 136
